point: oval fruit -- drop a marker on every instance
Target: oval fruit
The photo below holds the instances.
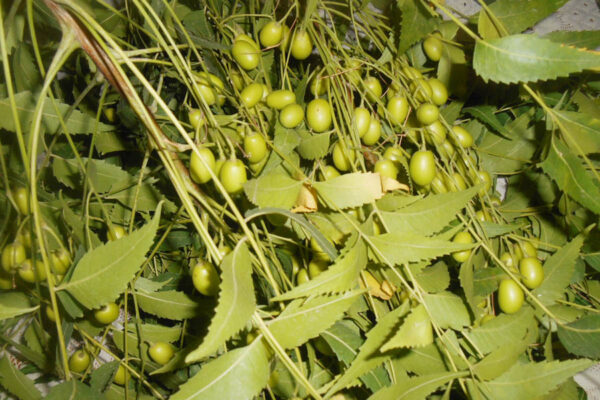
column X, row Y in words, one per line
column 373, row 134
column 271, row 34
column 278, row 99
column 246, row 54
column 255, row 147
column 205, row 278
column 462, row 238
column 196, row 118
column 32, row 273
column 328, row 172
column 318, row 115
column 115, row 232
column 433, row 48
column 387, row 168
column 22, row 199
column 439, row 93
column 233, row 176
column 532, row 272
column 79, row 361
column 343, row 158
column 397, row 108
column 202, row 164
column 373, row 88
column 421, row 90
column 291, row 116
column 107, row 314
column 427, row 113
column 12, row 256
column 361, row 120
column 510, row 296
column 437, row 132
column 462, row 137
column 302, row 45
column 394, row 154
column 422, row 167
column 319, row 85
column 252, row 94
column 316, row 266
column 60, row 261
column 302, row 276
column 121, row 376
column 161, row 352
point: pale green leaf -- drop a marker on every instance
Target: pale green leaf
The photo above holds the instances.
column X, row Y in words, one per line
column 447, row 310
column 238, row 374
column 273, row 190
column 344, row 339
column 435, row 278
column 486, row 280
column 580, row 130
column 415, row 331
column 571, row 177
column 101, row 173
column 369, row 356
column 236, row 302
column 16, row 382
column 582, row 337
column 501, row 330
column 350, row 190
column 531, row 380
column 103, row 273
column 421, row 361
column 13, row 304
column 76, row 123
column 401, row 248
column 499, row 361
column 416, row 388
column 493, row 230
column 428, row 215
column 313, row 146
column 583, row 39
column 170, row 304
column 302, row 320
column 516, row 15
column 558, row 271
column 528, row 58
column 144, row 197
column 341, row 276
column 284, row 142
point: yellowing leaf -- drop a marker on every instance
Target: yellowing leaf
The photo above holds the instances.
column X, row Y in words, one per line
column 236, row 302
column 390, row 184
column 350, row 190
column 306, row 201
column 528, row 58
column 415, row 331
column 103, row 273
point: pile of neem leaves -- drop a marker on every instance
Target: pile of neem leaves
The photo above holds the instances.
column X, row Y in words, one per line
column 229, row 199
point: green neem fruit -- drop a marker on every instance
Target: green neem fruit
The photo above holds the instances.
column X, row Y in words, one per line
column 510, row 296
column 291, row 116
column 373, row 134
column 278, row 99
column 271, row 34
column 397, row 108
column 422, row 167
column 462, row 238
column 12, row 256
column 318, row 115
column 433, row 48
column 255, row 147
column 361, row 120
column 373, row 88
column 302, row 45
column 246, row 54
column 387, row 168
column 427, row 113
column 462, row 137
column 252, row 94
column 439, row 93
column 201, row 164
column 233, row 176
column 343, row 158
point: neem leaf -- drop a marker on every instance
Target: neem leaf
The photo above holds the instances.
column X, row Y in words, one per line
column 486, row 114
column 582, row 337
column 401, row 248
column 558, row 271
column 417, row 21
column 435, row 278
column 16, row 382
column 501, row 330
column 416, row 388
column 583, row 39
column 305, row 319
column 340, row 276
column 13, row 304
column 273, row 190
column 532, row 380
column 528, row 58
column 415, row 331
column 369, row 356
column 428, row 215
column 580, row 131
column 73, row 389
column 313, row 146
column 447, row 310
column 570, row 175
column 350, row 190
column 103, row 273
column 236, row 302
column 499, row 361
column 238, row 374
column 170, row 304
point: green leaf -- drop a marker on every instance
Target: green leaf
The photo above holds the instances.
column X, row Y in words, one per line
column 339, row 277
column 486, row 114
column 516, row 15
column 305, row 319
column 369, row 356
column 344, row 339
column 144, row 197
column 101, row 173
column 493, row 230
column 417, row 22
column 401, row 248
column 103, row 273
column 313, row 146
column 531, row 380
column 16, row 382
column 236, row 302
column 528, row 58
column 301, row 220
column 486, row 280
column 238, row 374
column 350, row 190
column 170, row 304
column 447, row 310
column 571, row 176
column 415, row 331
column 580, row 131
column 558, row 271
column 501, row 331
column 76, row 123
column 582, row 337
column 435, row 278
column 428, row 215
column 73, row 389
column 416, row 388
column 273, row 190
column 13, row 304
column 422, row 361
column 284, row 142
column 499, row 361
column 583, row 39
column 102, row 376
